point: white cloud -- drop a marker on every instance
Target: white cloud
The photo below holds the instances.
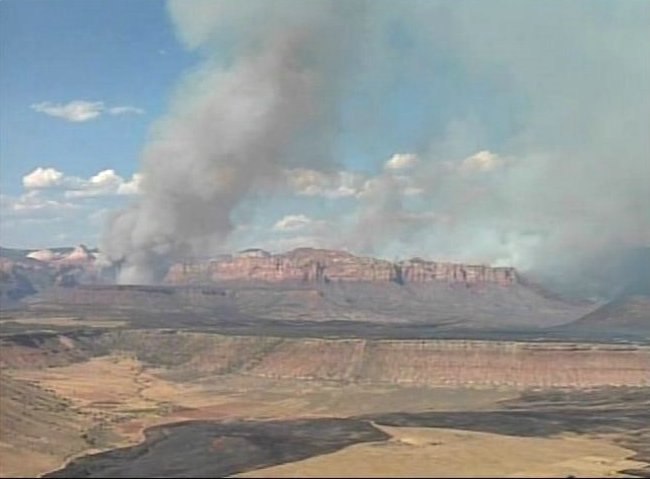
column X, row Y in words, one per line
column 125, row 110
column 340, row 184
column 131, row 187
column 482, row 161
column 43, row 178
column 79, row 111
column 107, row 179
column 397, row 184
column 31, row 202
column 402, row 161
column 347, row 184
column 76, row 111
column 104, row 183
column 292, row 223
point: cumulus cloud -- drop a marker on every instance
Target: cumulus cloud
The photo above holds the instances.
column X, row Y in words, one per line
column 106, row 179
column 42, row 218
column 79, row 111
column 339, row 184
column 104, row 183
column 33, row 202
column 292, row 223
column 131, row 187
column 482, row 161
column 349, row 184
column 401, row 161
column 43, row 178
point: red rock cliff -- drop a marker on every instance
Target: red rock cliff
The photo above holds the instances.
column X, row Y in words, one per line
column 319, row 265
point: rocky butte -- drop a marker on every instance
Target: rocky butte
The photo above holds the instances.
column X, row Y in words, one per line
column 310, row 265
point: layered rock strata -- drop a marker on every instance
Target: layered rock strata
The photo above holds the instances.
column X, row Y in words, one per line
column 323, row 266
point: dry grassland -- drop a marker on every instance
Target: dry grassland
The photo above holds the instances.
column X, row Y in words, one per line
column 433, row 452
column 128, row 397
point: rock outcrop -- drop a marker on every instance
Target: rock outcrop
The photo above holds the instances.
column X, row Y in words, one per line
column 324, row 266
column 432, row 363
column 38, row 270
column 43, row 255
column 80, row 254
column 420, row 271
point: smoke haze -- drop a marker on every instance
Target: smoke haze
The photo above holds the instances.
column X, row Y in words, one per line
column 545, row 167
column 229, row 130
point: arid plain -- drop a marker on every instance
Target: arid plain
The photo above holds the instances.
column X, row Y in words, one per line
column 268, row 377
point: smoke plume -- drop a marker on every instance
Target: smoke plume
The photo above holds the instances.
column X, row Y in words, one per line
column 552, row 180
column 232, row 128
column 529, row 122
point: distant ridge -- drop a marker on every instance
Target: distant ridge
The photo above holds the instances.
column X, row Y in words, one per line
column 627, row 314
column 312, row 265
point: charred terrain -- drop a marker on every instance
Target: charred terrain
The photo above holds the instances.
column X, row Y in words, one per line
column 316, row 362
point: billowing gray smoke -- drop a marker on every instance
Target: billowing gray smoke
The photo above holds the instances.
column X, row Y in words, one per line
column 232, row 128
column 544, row 166
column 556, row 178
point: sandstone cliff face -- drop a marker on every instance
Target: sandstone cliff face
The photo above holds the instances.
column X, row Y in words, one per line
column 323, row 266
column 420, row 271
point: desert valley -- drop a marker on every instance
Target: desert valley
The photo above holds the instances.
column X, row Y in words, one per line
column 316, row 362
column 333, row 238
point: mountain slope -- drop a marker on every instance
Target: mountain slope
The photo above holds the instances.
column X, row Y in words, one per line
column 628, row 314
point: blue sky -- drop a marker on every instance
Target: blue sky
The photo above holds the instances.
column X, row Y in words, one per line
column 125, row 53
column 119, row 52
column 448, row 116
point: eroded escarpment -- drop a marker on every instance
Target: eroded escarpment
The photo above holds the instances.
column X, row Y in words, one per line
column 363, row 361
column 322, row 266
column 414, row 362
column 102, row 386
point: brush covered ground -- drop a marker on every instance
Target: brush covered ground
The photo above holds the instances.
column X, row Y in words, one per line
column 77, row 386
